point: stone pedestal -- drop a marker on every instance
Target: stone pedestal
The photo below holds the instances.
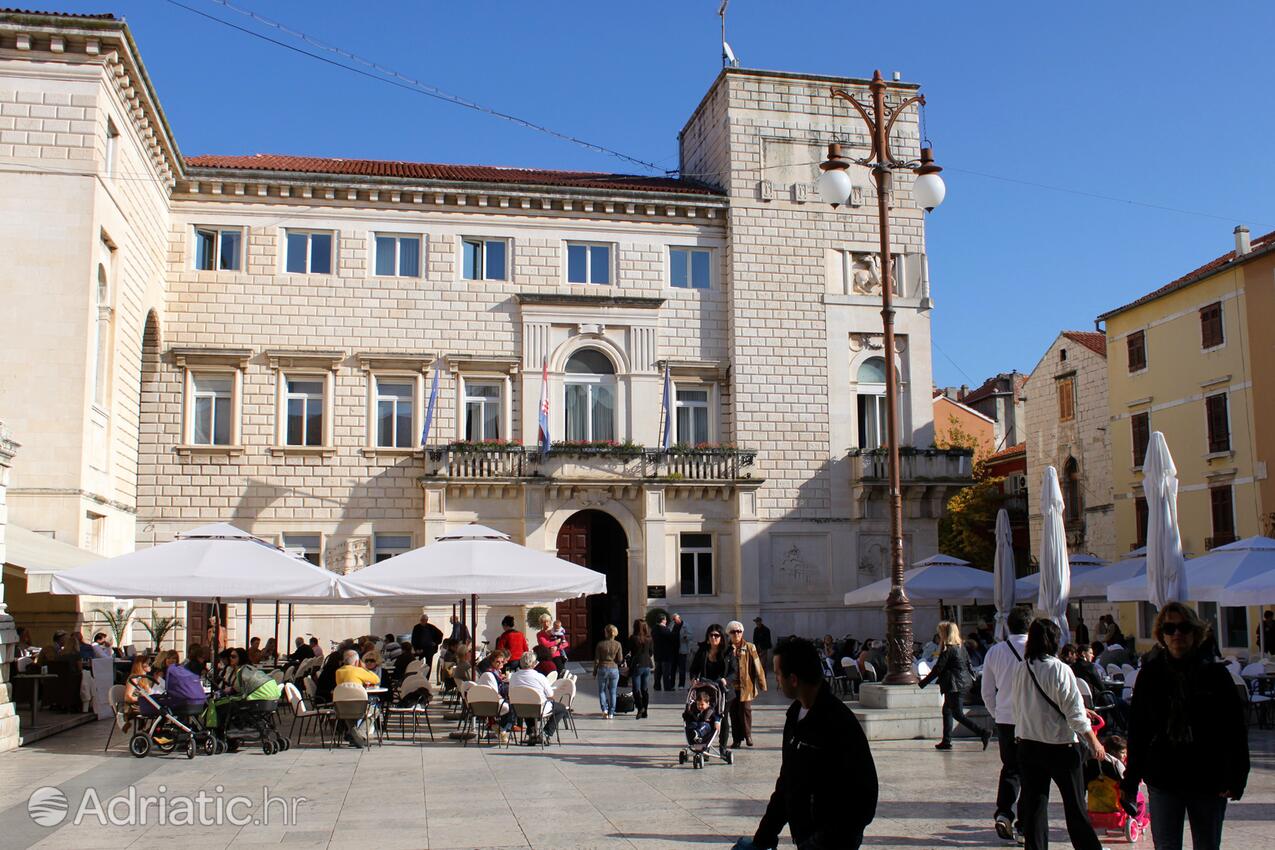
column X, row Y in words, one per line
column 904, row 712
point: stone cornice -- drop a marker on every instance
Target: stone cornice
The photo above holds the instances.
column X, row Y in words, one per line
column 303, row 359
column 185, row 356
column 568, row 300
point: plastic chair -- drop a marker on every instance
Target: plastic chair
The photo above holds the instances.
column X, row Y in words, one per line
column 1257, row 668
column 116, row 700
column 564, row 693
column 301, row 713
column 551, row 676
column 415, row 710
column 1086, row 692
column 485, row 704
column 1127, row 670
column 528, row 705
column 1115, row 671
column 414, row 667
column 351, row 706
column 854, row 677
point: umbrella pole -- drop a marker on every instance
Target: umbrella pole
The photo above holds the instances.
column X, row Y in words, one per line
column 276, row 631
column 289, row 627
column 247, row 625
column 473, row 635
column 216, row 634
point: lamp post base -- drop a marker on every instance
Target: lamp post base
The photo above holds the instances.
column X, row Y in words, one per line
column 898, row 612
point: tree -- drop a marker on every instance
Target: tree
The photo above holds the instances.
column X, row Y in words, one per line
column 968, row 527
column 956, row 437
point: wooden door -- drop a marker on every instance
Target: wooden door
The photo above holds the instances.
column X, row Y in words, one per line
column 573, row 546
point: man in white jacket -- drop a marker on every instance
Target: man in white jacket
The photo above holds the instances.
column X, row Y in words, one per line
column 1002, row 660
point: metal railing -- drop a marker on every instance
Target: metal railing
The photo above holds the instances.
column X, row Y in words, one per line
column 706, row 464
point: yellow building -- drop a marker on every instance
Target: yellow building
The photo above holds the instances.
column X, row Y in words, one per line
column 1182, row 360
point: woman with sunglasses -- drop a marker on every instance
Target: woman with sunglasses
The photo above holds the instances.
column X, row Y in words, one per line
column 1187, row 735
column 714, row 662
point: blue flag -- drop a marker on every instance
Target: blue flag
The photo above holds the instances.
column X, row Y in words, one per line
column 429, row 408
column 666, row 439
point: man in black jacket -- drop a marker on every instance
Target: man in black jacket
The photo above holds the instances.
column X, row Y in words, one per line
column 827, row 788
column 426, row 638
column 665, row 639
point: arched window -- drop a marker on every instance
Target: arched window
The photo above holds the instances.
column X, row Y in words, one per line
column 872, row 409
column 101, row 336
column 1073, row 502
column 590, row 397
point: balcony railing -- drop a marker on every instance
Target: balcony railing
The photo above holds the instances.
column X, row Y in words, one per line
column 619, row 463
column 873, row 465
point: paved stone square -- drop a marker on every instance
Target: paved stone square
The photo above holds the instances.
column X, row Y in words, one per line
column 618, row 786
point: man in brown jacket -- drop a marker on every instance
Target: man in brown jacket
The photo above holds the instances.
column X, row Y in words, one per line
column 752, row 681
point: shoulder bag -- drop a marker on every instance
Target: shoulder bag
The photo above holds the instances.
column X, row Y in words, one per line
column 1081, row 747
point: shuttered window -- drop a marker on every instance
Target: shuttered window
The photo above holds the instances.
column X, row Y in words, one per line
column 1219, row 423
column 1137, row 342
column 1140, row 425
column 1211, row 334
column 1066, row 399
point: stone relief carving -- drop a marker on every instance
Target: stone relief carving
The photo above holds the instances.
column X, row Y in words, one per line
column 865, row 274
column 799, row 565
column 347, row 557
column 874, row 342
column 874, row 556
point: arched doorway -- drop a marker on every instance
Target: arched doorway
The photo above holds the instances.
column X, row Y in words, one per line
column 594, row 539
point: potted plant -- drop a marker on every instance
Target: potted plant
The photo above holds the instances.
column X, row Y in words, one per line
column 158, row 628
column 117, row 620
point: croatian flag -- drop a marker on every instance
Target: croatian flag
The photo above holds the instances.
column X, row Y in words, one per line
column 666, row 439
column 544, row 408
column 429, row 408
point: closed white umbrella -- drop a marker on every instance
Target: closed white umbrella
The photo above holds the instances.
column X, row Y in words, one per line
column 933, row 584
column 1166, row 568
column 1003, row 568
column 475, row 560
column 1055, row 572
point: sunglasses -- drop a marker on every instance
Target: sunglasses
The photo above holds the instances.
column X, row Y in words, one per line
column 1174, row 628
column 714, row 636
column 737, row 631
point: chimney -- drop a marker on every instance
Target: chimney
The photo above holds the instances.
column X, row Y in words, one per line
column 962, row 392
column 1242, row 244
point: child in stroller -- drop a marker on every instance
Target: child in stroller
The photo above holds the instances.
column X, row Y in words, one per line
column 171, row 719
column 705, row 702
column 1107, row 811
column 245, row 712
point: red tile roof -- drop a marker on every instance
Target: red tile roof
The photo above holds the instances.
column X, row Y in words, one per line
column 989, row 388
column 99, row 17
column 1092, row 340
column 452, row 173
column 1266, row 242
column 1019, row 448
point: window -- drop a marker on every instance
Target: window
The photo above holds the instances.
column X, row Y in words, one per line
column 1221, row 506
column 1234, row 626
column 388, row 545
column 304, row 406
column 112, row 146
column 395, row 400
column 1140, row 519
column 588, row 263
column 1062, row 355
column 691, row 412
column 689, row 268
column 484, row 259
column 1219, row 423
column 696, row 557
column 309, row 546
column 1066, row 399
column 590, row 397
column 1073, row 503
column 397, row 256
column 1140, row 428
column 102, row 343
column 482, row 411
column 873, row 424
column 1211, row 334
column 309, row 252
column 1137, row 343
column 217, row 249
column 213, row 407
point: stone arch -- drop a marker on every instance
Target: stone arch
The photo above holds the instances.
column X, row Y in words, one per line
column 558, row 360
column 618, row 511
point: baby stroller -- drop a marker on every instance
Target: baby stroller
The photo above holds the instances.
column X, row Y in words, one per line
column 702, row 736
column 1106, row 810
column 171, row 726
column 250, row 719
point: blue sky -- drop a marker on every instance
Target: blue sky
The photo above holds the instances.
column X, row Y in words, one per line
column 1165, row 104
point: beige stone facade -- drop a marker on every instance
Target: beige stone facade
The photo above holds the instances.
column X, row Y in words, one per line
column 1072, row 438
column 775, row 499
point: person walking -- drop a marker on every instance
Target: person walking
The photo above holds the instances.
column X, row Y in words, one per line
column 665, row 653
column 426, row 638
column 955, row 676
column 827, row 787
column 1048, row 716
column 640, row 662
column 606, row 667
column 714, row 662
column 752, row 681
column 763, row 641
column 1002, row 662
column 685, row 648
column 1187, row 735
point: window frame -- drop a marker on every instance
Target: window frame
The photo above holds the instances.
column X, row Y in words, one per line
column 317, row 535
column 398, row 237
column 483, row 242
column 415, row 381
column 1215, row 503
column 1141, row 520
column 192, row 366
column 378, row 549
column 709, row 405
column 1223, row 630
column 691, row 251
column 1066, row 412
column 589, row 268
column 286, row 373
column 214, row 407
column 1207, row 324
column 218, row 231
column 501, row 385
column 1141, row 347
column 592, row 380
column 1143, row 416
column 309, row 233
column 1217, row 414
column 696, row 552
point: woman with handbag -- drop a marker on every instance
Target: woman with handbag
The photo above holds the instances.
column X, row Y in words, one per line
column 751, row 680
column 640, row 664
column 1049, row 714
column 955, row 677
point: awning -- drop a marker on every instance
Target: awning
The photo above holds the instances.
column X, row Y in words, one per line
column 39, row 556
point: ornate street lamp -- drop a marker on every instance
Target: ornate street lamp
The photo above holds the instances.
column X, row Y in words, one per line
column 928, row 190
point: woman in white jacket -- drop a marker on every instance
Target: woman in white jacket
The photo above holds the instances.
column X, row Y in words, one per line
column 1049, row 714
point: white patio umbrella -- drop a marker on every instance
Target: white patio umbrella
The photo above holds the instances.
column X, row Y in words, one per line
column 1081, row 566
column 932, row 584
column 1166, row 568
column 1055, row 572
column 1003, row 568
column 1221, row 576
column 475, row 560
column 1094, row 583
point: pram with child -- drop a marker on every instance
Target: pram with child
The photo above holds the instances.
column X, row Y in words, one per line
column 246, row 715
column 1108, row 811
column 171, row 722
column 705, row 705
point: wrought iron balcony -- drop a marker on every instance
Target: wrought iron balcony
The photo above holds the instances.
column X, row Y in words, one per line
column 616, row 463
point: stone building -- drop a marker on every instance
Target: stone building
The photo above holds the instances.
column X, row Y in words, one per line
column 1066, row 424
column 255, row 339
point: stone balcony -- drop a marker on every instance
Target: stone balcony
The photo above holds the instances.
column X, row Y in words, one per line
column 916, row 466
column 601, row 464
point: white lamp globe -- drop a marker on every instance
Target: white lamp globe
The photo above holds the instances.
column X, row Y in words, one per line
column 835, row 186
column 928, row 191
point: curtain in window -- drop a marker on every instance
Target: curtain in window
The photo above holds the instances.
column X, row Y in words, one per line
column 385, row 255
column 409, row 257
column 576, row 410
column 229, row 250
column 603, row 413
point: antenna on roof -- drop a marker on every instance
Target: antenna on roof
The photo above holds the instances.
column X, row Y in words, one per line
column 728, row 55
